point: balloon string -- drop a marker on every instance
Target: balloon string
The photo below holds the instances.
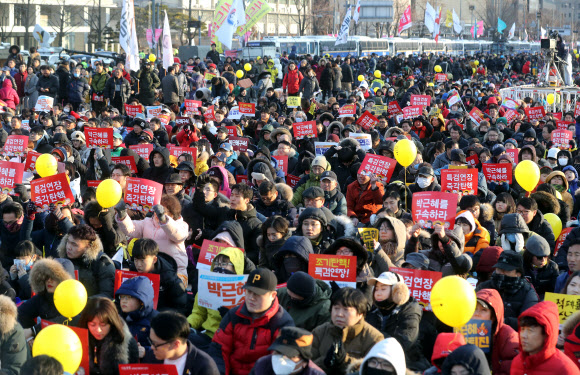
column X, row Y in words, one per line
column 67, row 321
column 406, row 208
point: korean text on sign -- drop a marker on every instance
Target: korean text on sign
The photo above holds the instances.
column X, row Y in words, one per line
column 394, row 108
column 16, row 145
column 216, row 289
column 419, row 283
column 147, row 369
column 305, row 129
column 99, row 137
column 30, row 164
column 430, row 208
column 412, row 111
column 10, row 175
column 567, row 304
column 499, row 172
column 121, row 276
column 477, row 332
column 142, row 194
column 338, row 268
column 535, row 113
column 463, row 181
column 381, row 166
column 209, row 250
column 561, row 238
column 129, row 161
column 132, row 110
column 561, row 138
column 347, row 110
column 282, row 161
column 142, row 150
column 423, row 100
column 239, row 143
column 367, row 121
column 52, row 189
column 177, row 151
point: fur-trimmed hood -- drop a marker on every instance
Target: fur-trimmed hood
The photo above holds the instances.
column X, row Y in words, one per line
column 547, row 203
column 285, row 191
column 571, row 323
column 43, row 270
column 8, row 315
column 486, row 212
column 389, row 132
column 335, row 124
column 92, row 252
column 278, row 131
column 342, row 226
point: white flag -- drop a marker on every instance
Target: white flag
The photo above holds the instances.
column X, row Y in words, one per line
column 167, row 46
column 344, row 28
column 42, row 36
column 512, row 32
column 356, row 12
column 128, row 36
column 543, row 33
column 236, row 17
column 525, row 35
column 430, row 17
column 436, row 28
column 456, row 23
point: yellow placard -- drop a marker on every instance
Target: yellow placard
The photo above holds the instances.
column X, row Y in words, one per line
column 567, row 304
column 209, row 76
column 293, row 101
column 369, row 236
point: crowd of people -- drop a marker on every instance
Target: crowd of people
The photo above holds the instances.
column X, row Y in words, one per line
column 271, row 218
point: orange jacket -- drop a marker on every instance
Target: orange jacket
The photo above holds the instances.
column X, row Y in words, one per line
column 362, row 204
column 477, row 239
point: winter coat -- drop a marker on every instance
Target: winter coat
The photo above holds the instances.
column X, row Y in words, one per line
column 111, row 92
column 148, row 83
column 571, row 330
column 13, row 346
column 477, row 239
column 264, row 367
column 51, row 82
column 388, row 350
column 292, row 81
column 106, row 355
column 452, row 249
column 241, row 339
column 337, row 81
column 335, row 201
column 308, row 86
column 540, row 226
column 310, row 313
column 205, row 216
column 470, row 357
column 280, row 207
column 504, row 346
column 64, row 76
column 549, row 360
column 99, row 81
column 251, row 227
column 197, row 362
column 566, row 197
column 8, row 95
column 326, row 79
column 20, row 79
column 363, row 203
column 398, row 257
column 170, row 88
column 159, row 174
column 543, row 279
column 77, row 89
column 31, row 91
column 347, row 73
column 298, row 246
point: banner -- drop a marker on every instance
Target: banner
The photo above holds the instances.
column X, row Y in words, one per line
column 338, row 268
column 234, row 113
column 255, row 11
column 344, row 28
column 501, row 26
column 379, row 165
column 99, row 137
column 430, row 16
column 535, row 113
column 459, row 181
column 209, row 250
column 560, row 138
column 513, row 153
column 510, row 115
column 216, row 289
column 52, row 189
column 412, row 111
column 132, row 110
column 441, row 78
column 247, row 109
column 210, row 113
column 143, row 150
column 421, row 100
column 282, row 162
column 128, row 36
column 363, row 139
column 293, row 101
column 83, row 335
column 164, row 119
column 567, row 304
column 181, row 121
column 322, row 147
column 167, row 44
column 477, row 332
column 456, row 23
column 121, row 276
column 379, row 109
column 192, row 105
column 26, row 125
column 512, row 31
column 394, row 108
column 563, row 125
column 369, row 236
column 10, row 175
column 232, row 131
column 44, row 104
column 563, row 234
column 147, row 369
column 142, row 194
column 367, row 121
column 129, row 161
column 306, row 129
column 476, row 116
column 16, row 145
column 235, row 18
column 208, row 76
column 243, row 179
column 430, row 208
column 347, row 110
column 30, row 164
column 356, row 12
column 419, row 283
column 405, row 22
column 498, row 172
column 577, row 109
column 239, row 143
column 177, row 151
column 153, row 111
column 509, row 103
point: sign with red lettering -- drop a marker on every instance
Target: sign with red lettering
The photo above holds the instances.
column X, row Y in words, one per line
column 510, row 115
column 16, row 145
column 563, row 125
column 99, row 137
column 30, row 164
column 535, row 113
column 431, row 207
column 577, row 110
column 412, row 111
column 121, row 276
column 232, row 131
column 306, row 129
column 367, row 121
column 394, row 108
column 129, row 161
column 422, row 100
column 561, row 238
column 440, row 77
column 142, row 150
column 338, row 268
column 561, row 138
column 282, row 162
column 10, row 175
column 147, row 369
column 177, row 151
column 347, row 110
column 476, row 115
column 379, row 165
column 209, row 250
column 513, row 153
column 292, row 180
column 472, row 160
column 132, row 110
column 52, row 189
column 43, row 104
column 153, row 111
column 419, row 283
column 83, row 335
column 142, row 194
column 247, row 109
column 498, row 172
column 209, row 113
column 239, row 143
column 459, row 181
column 216, row 289
column 93, row 183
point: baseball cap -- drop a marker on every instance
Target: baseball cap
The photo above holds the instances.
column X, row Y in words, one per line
column 117, row 135
column 509, row 260
column 426, row 171
column 261, row 281
column 387, row 278
column 293, row 342
column 212, row 66
column 226, row 146
column 220, row 156
column 328, row 175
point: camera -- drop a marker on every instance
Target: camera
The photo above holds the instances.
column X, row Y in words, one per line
column 551, row 42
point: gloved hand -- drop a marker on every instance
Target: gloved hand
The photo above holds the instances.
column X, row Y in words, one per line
column 99, row 153
column 335, row 355
column 31, row 210
column 55, row 210
column 121, row 209
column 160, row 212
column 223, row 310
column 21, row 190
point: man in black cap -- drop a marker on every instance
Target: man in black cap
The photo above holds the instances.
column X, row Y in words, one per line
column 416, row 261
column 334, row 200
column 174, row 186
column 425, row 181
column 516, row 292
column 292, row 352
column 186, row 172
column 247, row 331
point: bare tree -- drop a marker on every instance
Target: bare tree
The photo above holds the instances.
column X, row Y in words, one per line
column 302, row 16
column 322, row 17
column 491, row 10
column 24, row 12
column 98, row 24
column 64, row 19
column 5, row 28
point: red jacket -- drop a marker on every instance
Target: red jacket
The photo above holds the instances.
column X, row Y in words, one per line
column 445, row 343
column 292, row 81
column 549, row 360
column 362, row 204
column 185, row 138
column 20, row 79
column 526, row 69
column 241, row 340
column 505, row 340
column 9, row 95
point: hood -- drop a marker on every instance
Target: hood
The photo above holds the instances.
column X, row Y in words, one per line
column 547, row 203
column 467, row 215
column 284, row 191
column 389, row 132
column 263, row 168
column 333, row 125
column 278, row 131
column 7, row 83
column 163, row 152
column 514, row 223
column 457, row 237
column 493, row 299
column 8, row 314
column 236, row 256
column 354, row 245
column 486, row 212
column 389, row 350
column 571, row 168
column 44, row 269
column 546, row 313
column 470, row 357
column 530, row 133
column 264, row 150
column 234, row 229
column 399, row 228
column 225, row 185
column 298, row 245
column 530, row 148
column 445, row 344
column 138, row 287
column 91, row 253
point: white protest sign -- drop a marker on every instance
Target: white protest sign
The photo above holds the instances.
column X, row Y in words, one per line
column 44, row 104
column 235, row 113
column 322, row 147
column 216, row 289
column 364, row 139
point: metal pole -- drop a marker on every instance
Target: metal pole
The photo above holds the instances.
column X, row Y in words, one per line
column 199, row 16
column 188, row 27
column 153, row 27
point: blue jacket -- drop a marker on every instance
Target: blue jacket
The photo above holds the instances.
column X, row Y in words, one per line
column 77, row 88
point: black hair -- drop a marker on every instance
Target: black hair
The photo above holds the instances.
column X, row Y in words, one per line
column 42, row 365
column 83, row 232
column 350, row 297
column 170, row 325
column 266, row 187
column 25, row 248
column 123, row 168
column 244, row 190
column 468, row 201
column 529, row 321
column 392, row 194
column 92, row 209
column 144, row 247
column 449, row 144
column 13, row 208
column 187, row 157
column 528, row 204
column 91, row 194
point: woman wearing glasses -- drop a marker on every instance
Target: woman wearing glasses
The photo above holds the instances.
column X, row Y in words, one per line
column 110, row 342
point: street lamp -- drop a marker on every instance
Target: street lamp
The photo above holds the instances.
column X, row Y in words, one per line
column 471, row 9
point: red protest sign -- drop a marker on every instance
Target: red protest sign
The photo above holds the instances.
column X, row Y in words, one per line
column 209, row 250
column 561, row 138
column 121, row 276
column 498, row 172
column 440, row 77
column 422, row 100
column 16, row 145
column 164, row 119
column 52, row 189
column 247, row 109
column 476, row 115
column 232, row 131
column 561, row 238
column 142, row 150
column 535, row 113
column 419, row 283
column 412, row 111
column 292, row 180
column 394, row 108
column 379, row 165
column 557, row 115
column 462, row 181
column 10, row 175
column 181, row 121
column 513, row 153
column 99, row 137
column 367, row 121
column 339, row 268
column 129, row 161
column 30, row 164
column 209, row 113
column 306, row 129
column 177, row 151
column 472, row 160
column 93, row 183
column 239, row 143
column 577, row 110
column 243, row 179
column 431, row 207
column 510, row 115
column 83, row 335
column 142, row 194
column 147, row 369
column 347, row 110
column 132, row 110
column 192, row 105
column 563, row 125
column 282, row 162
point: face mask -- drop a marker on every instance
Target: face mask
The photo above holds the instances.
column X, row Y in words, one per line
column 503, row 281
column 563, row 161
column 559, row 188
column 292, row 264
column 423, row 182
column 416, row 166
column 223, row 270
column 378, row 371
column 282, row 365
column 77, row 75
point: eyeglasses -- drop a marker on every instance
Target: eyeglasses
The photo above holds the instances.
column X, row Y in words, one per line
column 523, row 212
column 223, row 264
column 207, row 190
column 157, row 346
column 383, row 365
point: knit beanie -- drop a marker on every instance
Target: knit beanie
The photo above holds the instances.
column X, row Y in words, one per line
column 302, row 284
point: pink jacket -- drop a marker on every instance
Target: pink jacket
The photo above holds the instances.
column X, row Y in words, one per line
column 170, row 237
column 9, row 95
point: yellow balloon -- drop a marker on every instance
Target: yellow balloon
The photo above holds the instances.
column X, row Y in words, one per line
column 239, row 74
column 453, row 301
column 152, row 57
column 378, row 73
column 376, row 89
column 248, row 67
column 109, row 193
column 555, row 222
column 70, row 298
column 405, row 152
column 46, row 165
column 577, row 55
column 575, row 51
column 438, row 68
column 61, row 343
column 473, row 70
column 550, row 98
column 361, row 78
column 527, row 175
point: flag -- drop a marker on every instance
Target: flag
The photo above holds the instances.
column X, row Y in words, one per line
column 512, row 32
column 477, row 29
column 405, row 22
column 236, row 17
column 344, row 28
column 456, row 23
column 436, row 29
column 525, row 35
column 356, row 12
column 430, row 16
column 166, row 43
column 449, row 19
column 453, row 98
column 500, row 25
column 543, row 33
column 42, row 36
column 128, row 36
